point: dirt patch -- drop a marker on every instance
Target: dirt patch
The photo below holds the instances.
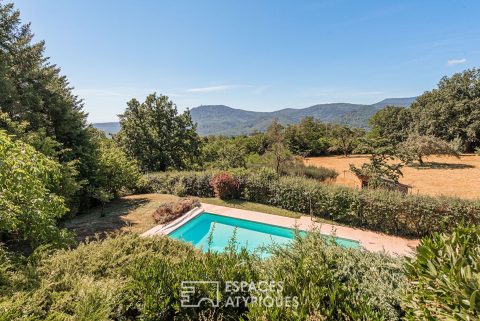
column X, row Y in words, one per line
column 128, row 214
column 441, row 175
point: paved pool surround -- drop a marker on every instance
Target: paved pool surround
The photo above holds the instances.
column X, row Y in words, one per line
column 369, row 240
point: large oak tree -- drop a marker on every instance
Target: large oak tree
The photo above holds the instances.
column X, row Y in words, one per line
column 158, row 136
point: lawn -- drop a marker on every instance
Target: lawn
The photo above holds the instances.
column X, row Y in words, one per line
column 127, row 214
column 244, row 205
column 448, row 176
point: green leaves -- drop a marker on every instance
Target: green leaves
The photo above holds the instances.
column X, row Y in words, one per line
column 387, row 211
column 157, row 136
column 444, row 277
column 29, row 208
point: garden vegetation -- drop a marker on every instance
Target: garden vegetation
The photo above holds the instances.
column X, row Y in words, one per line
column 375, row 209
column 54, row 165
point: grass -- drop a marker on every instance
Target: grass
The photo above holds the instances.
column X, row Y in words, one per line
column 250, row 206
column 442, row 175
column 244, row 205
column 128, row 214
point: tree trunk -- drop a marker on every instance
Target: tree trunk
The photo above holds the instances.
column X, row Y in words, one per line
column 420, row 161
column 102, row 213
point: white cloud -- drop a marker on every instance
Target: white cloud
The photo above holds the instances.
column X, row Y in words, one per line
column 453, row 62
column 212, row 88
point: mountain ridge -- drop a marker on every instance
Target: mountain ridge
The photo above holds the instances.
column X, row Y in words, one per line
column 225, row 120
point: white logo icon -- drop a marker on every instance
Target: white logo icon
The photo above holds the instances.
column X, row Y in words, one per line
column 191, row 299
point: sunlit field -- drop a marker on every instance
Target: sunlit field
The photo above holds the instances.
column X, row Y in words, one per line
column 440, row 176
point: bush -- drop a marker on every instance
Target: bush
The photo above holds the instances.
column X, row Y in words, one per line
column 29, row 201
column 386, row 211
column 333, row 283
column 130, row 277
column 178, row 183
column 318, row 173
column 169, row 211
column 444, row 277
column 225, row 186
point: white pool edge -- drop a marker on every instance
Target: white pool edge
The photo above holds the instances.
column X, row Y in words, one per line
column 368, row 240
column 166, row 229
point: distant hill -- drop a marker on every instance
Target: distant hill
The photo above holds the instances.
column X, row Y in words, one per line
column 109, row 128
column 224, row 120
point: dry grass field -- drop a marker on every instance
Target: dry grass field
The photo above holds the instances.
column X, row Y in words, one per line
column 448, row 176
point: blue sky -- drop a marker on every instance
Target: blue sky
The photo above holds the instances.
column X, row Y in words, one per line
column 255, row 55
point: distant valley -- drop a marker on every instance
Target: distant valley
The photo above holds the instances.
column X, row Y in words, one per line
column 224, row 120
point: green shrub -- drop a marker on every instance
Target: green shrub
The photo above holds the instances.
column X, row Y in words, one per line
column 30, row 201
column 333, row 283
column 315, row 172
column 130, row 277
column 386, row 211
column 444, row 277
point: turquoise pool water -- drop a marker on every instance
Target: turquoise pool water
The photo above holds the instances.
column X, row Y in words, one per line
column 249, row 234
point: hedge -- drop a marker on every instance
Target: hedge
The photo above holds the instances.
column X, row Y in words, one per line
column 386, row 211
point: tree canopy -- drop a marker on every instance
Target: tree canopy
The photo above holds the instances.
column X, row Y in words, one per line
column 154, row 133
column 29, row 202
column 451, row 111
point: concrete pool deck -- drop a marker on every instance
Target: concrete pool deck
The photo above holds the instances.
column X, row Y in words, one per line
column 369, row 240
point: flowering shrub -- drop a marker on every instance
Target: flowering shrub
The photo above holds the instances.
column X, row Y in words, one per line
column 169, row 211
column 225, row 186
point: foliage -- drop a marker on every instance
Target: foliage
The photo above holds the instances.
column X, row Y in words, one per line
column 37, row 104
column 332, row 283
column 114, row 172
column 29, row 206
column 379, row 167
column 307, row 138
column 376, row 209
column 225, row 186
column 320, row 173
column 167, row 212
column 157, row 136
column 130, row 277
column 223, row 152
column 416, row 147
column 344, row 139
column 444, row 277
column 391, row 123
column 451, row 111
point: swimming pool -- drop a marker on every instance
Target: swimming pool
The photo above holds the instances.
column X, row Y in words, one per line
column 249, row 234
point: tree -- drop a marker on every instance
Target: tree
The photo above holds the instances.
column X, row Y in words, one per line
column 277, row 151
column 157, row 136
column 29, row 206
column 379, row 168
column 452, row 111
column 307, row 138
column 391, row 123
column 416, row 147
column 37, row 104
column 114, row 173
column 224, row 152
column 345, row 138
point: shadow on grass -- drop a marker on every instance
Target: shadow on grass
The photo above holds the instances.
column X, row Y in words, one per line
column 89, row 224
column 435, row 165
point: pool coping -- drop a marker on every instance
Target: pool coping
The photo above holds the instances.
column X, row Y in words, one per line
column 369, row 240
